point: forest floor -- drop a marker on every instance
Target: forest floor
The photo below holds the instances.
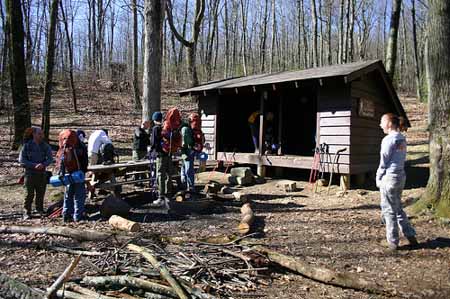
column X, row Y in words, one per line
column 342, row 233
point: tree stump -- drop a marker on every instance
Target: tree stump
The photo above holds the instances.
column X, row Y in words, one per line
column 288, row 186
column 124, row 224
column 247, row 219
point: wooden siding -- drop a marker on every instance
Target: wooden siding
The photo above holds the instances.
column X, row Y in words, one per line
column 366, row 133
column 209, row 107
column 334, row 123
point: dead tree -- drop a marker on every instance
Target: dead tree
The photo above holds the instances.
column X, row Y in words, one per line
column 391, row 51
column 70, row 48
column 153, row 19
column 191, row 44
column 49, row 64
column 272, row 44
column 315, row 56
column 4, row 57
column 19, row 88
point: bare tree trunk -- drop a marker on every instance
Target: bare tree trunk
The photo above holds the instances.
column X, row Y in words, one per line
column 264, row 37
column 351, row 44
column 137, row 99
column 391, row 52
column 153, row 18
column 70, row 46
column 341, row 32
column 19, row 88
column 26, row 6
column 191, row 44
column 329, row 20
column 438, row 67
column 272, row 44
column 227, row 42
column 315, row 33
column 211, row 37
column 49, row 64
column 244, row 37
column 4, row 57
column 416, row 54
column 90, row 34
column 347, row 33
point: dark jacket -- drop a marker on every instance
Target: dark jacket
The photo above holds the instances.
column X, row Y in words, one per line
column 33, row 154
column 141, row 140
column 156, row 140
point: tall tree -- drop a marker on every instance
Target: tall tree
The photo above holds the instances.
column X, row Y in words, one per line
column 137, row 99
column 153, row 19
column 3, row 57
column 70, row 48
column 272, row 44
column 391, row 51
column 315, row 52
column 416, row 52
column 191, row 44
column 438, row 69
column 49, row 64
column 19, row 88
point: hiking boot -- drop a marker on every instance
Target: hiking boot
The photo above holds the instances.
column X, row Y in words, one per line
column 390, row 246
column 412, row 241
column 41, row 213
column 159, row 202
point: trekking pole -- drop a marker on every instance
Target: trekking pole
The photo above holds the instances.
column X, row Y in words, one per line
column 335, row 160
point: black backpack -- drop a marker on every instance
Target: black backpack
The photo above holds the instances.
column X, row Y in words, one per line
column 107, row 154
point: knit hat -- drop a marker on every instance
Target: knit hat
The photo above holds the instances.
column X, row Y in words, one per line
column 157, row 116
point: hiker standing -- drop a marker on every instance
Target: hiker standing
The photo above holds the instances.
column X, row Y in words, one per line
column 165, row 141
column 72, row 157
column 253, row 123
column 97, row 139
column 192, row 145
column 141, row 141
column 390, row 178
column 35, row 157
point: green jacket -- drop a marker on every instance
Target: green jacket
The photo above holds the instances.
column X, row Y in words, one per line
column 187, row 141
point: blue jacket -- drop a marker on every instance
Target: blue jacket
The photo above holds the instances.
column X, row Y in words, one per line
column 33, row 154
column 392, row 156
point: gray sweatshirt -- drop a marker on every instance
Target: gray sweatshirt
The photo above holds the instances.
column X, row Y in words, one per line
column 392, row 156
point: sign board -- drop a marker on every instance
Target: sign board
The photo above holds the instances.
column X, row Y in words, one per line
column 366, row 108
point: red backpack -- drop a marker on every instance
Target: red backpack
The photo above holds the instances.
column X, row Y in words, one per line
column 68, row 142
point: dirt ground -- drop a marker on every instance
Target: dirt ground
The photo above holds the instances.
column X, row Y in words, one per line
column 342, row 233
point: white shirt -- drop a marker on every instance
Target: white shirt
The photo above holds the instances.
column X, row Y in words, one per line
column 96, row 140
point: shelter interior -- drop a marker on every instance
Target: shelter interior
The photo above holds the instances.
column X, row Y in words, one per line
column 291, row 127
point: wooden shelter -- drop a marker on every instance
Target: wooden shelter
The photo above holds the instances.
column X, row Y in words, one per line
column 339, row 105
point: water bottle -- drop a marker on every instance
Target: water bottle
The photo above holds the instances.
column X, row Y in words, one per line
column 72, row 178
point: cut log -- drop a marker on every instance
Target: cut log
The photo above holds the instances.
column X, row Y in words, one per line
column 124, row 224
column 241, row 172
column 128, row 281
column 114, row 206
column 341, row 279
column 77, row 234
column 87, row 292
column 245, row 181
column 247, row 219
column 162, row 270
column 51, row 292
column 10, row 288
column 286, row 185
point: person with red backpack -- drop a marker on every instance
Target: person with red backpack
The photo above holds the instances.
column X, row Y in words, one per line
column 192, row 145
column 35, row 156
column 165, row 141
column 72, row 158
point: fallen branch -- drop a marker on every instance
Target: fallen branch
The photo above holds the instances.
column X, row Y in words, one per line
column 162, row 269
column 62, row 278
column 346, row 280
column 128, row 281
column 10, row 288
column 87, row 292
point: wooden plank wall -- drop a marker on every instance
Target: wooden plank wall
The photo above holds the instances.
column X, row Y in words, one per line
column 366, row 133
column 334, row 122
column 209, row 107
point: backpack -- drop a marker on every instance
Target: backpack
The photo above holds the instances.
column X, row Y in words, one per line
column 107, row 154
column 69, row 152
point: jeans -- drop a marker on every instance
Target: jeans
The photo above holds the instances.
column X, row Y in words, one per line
column 74, row 199
column 188, row 172
column 391, row 189
column 163, row 171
